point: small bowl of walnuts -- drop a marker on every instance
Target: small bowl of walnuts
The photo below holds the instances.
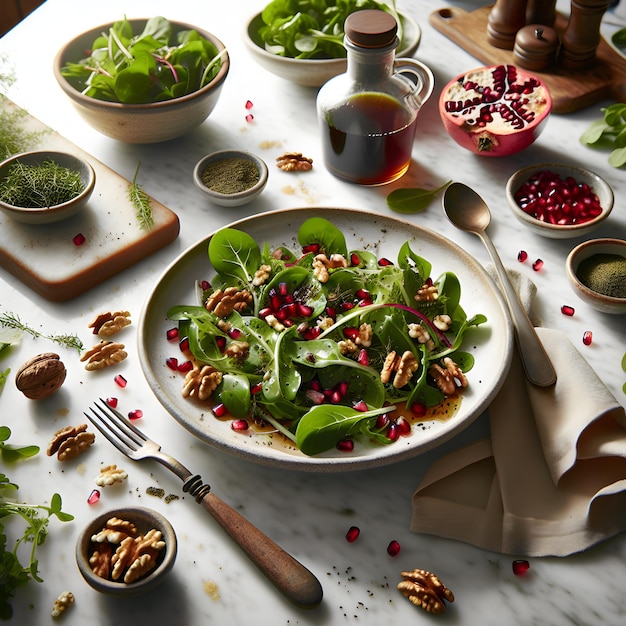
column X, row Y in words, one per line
column 126, row 551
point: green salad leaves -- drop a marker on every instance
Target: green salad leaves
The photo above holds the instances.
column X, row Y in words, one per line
column 305, row 337
column 609, row 132
column 36, row 517
column 313, row 29
column 151, row 66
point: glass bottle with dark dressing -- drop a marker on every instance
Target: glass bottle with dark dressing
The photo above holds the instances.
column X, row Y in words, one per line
column 368, row 115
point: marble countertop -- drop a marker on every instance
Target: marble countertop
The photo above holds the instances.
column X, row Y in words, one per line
column 308, row 514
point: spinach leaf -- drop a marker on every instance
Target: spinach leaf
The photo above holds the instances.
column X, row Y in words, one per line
column 234, row 253
column 318, row 230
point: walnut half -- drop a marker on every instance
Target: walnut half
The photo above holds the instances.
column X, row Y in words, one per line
column 425, row 590
column 294, row 162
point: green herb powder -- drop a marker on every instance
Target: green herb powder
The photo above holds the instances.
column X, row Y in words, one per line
column 231, row 175
column 40, row 186
column 605, row 274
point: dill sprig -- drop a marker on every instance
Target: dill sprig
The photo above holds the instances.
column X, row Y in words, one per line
column 141, row 201
column 10, row 320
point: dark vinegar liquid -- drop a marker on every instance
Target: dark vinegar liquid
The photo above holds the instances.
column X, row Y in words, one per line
column 368, row 139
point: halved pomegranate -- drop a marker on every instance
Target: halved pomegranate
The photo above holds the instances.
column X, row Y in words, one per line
column 495, row 111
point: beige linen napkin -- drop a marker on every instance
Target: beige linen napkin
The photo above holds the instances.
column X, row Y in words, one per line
column 551, row 479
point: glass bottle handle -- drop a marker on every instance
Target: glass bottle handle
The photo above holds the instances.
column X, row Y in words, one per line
column 422, row 80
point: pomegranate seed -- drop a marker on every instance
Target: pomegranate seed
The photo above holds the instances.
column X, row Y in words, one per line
column 94, row 497
column 549, row 198
column 312, row 247
column 239, row 425
column 172, row 334
column 393, row 432
column 336, row 397
column 361, row 405
column 353, row 534
column 382, row 421
column 316, row 397
column 112, row 402
column 249, row 118
column 172, row 363
column 256, row 389
column 205, row 284
column 342, row 387
column 384, row 262
column 355, row 261
column 587, row 337
column 311, row 333
column 537, row 265
column 567, row 310
column 234, row 333
column 520, row 567
column 393, row 549
column 120, row 381
column 522, row 255
column 135, row 415
column 362, row 294
column 249, row 104
column 304, row 310
column 404, row 426
column 219, row 410
column 418, row 409
column 184, row 344
column 221, row 343
column 79, row 239
column 363, row 358
column 185, row 367
column 263, row 313
column 345, row 445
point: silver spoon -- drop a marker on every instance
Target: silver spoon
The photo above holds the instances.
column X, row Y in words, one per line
column 468, row 211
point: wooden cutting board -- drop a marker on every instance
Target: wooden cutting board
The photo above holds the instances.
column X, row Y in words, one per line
column 570, row 90
column 45, row 257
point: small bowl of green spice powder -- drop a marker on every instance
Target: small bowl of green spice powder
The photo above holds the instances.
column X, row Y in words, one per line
column 44, row 187
column 597, row 271
column 231, row 177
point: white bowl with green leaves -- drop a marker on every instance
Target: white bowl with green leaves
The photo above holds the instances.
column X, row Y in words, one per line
column 314, row 72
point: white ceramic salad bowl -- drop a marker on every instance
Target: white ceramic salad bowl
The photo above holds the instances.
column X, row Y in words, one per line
column 490, row 343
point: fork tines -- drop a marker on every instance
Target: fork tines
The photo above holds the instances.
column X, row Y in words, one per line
column 115, row 427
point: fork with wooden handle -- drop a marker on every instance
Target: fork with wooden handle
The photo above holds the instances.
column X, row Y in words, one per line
column 294, row 580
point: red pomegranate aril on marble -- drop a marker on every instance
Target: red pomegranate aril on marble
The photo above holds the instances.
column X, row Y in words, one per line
column 587, row 337
column 94, row 497
column 520, row 567
column 567, row 310
column 112, row 402
column 496, row 110
column 120, row 381
column 393, row 549
column 353, row 534
column 537, row 265
column 522, row 256
column 135, row 415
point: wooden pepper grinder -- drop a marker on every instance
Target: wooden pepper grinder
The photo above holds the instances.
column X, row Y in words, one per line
column 505, row 19
column 541, row 12
column 581, row 36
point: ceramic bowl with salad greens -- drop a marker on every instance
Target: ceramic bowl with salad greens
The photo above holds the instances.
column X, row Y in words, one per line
column 302, row 40
column 324, row 339
column 143, row 81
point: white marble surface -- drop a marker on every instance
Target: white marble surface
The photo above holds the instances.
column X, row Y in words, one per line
column 308, row 514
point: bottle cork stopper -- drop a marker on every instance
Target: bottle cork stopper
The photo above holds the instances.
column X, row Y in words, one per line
column 371, row 28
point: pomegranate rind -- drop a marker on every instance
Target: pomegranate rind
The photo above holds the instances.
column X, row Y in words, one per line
column 497, row 110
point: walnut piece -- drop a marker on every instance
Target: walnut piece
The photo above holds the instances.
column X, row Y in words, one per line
column 401, row 368
column 261, row 275
column 322, row 264
column 201, row 381
column 109, row 475
column 67, row 443
column 40, row 376
column 449, row 377
column 294, row 162
column 425, row 590
column 223, row 303
column 103, row 354
column 107, row 324
column 134, row 555
column 428, row 293
column 65, row 600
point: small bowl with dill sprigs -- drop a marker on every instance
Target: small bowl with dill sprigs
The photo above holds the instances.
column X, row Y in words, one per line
column 231, row 177
column 44, row 186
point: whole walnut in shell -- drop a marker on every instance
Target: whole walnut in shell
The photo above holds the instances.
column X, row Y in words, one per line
column 41, row 376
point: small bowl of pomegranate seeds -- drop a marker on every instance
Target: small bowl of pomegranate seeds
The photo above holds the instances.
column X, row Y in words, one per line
column 559, row 201
column 597, row 272
column 126, row 551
